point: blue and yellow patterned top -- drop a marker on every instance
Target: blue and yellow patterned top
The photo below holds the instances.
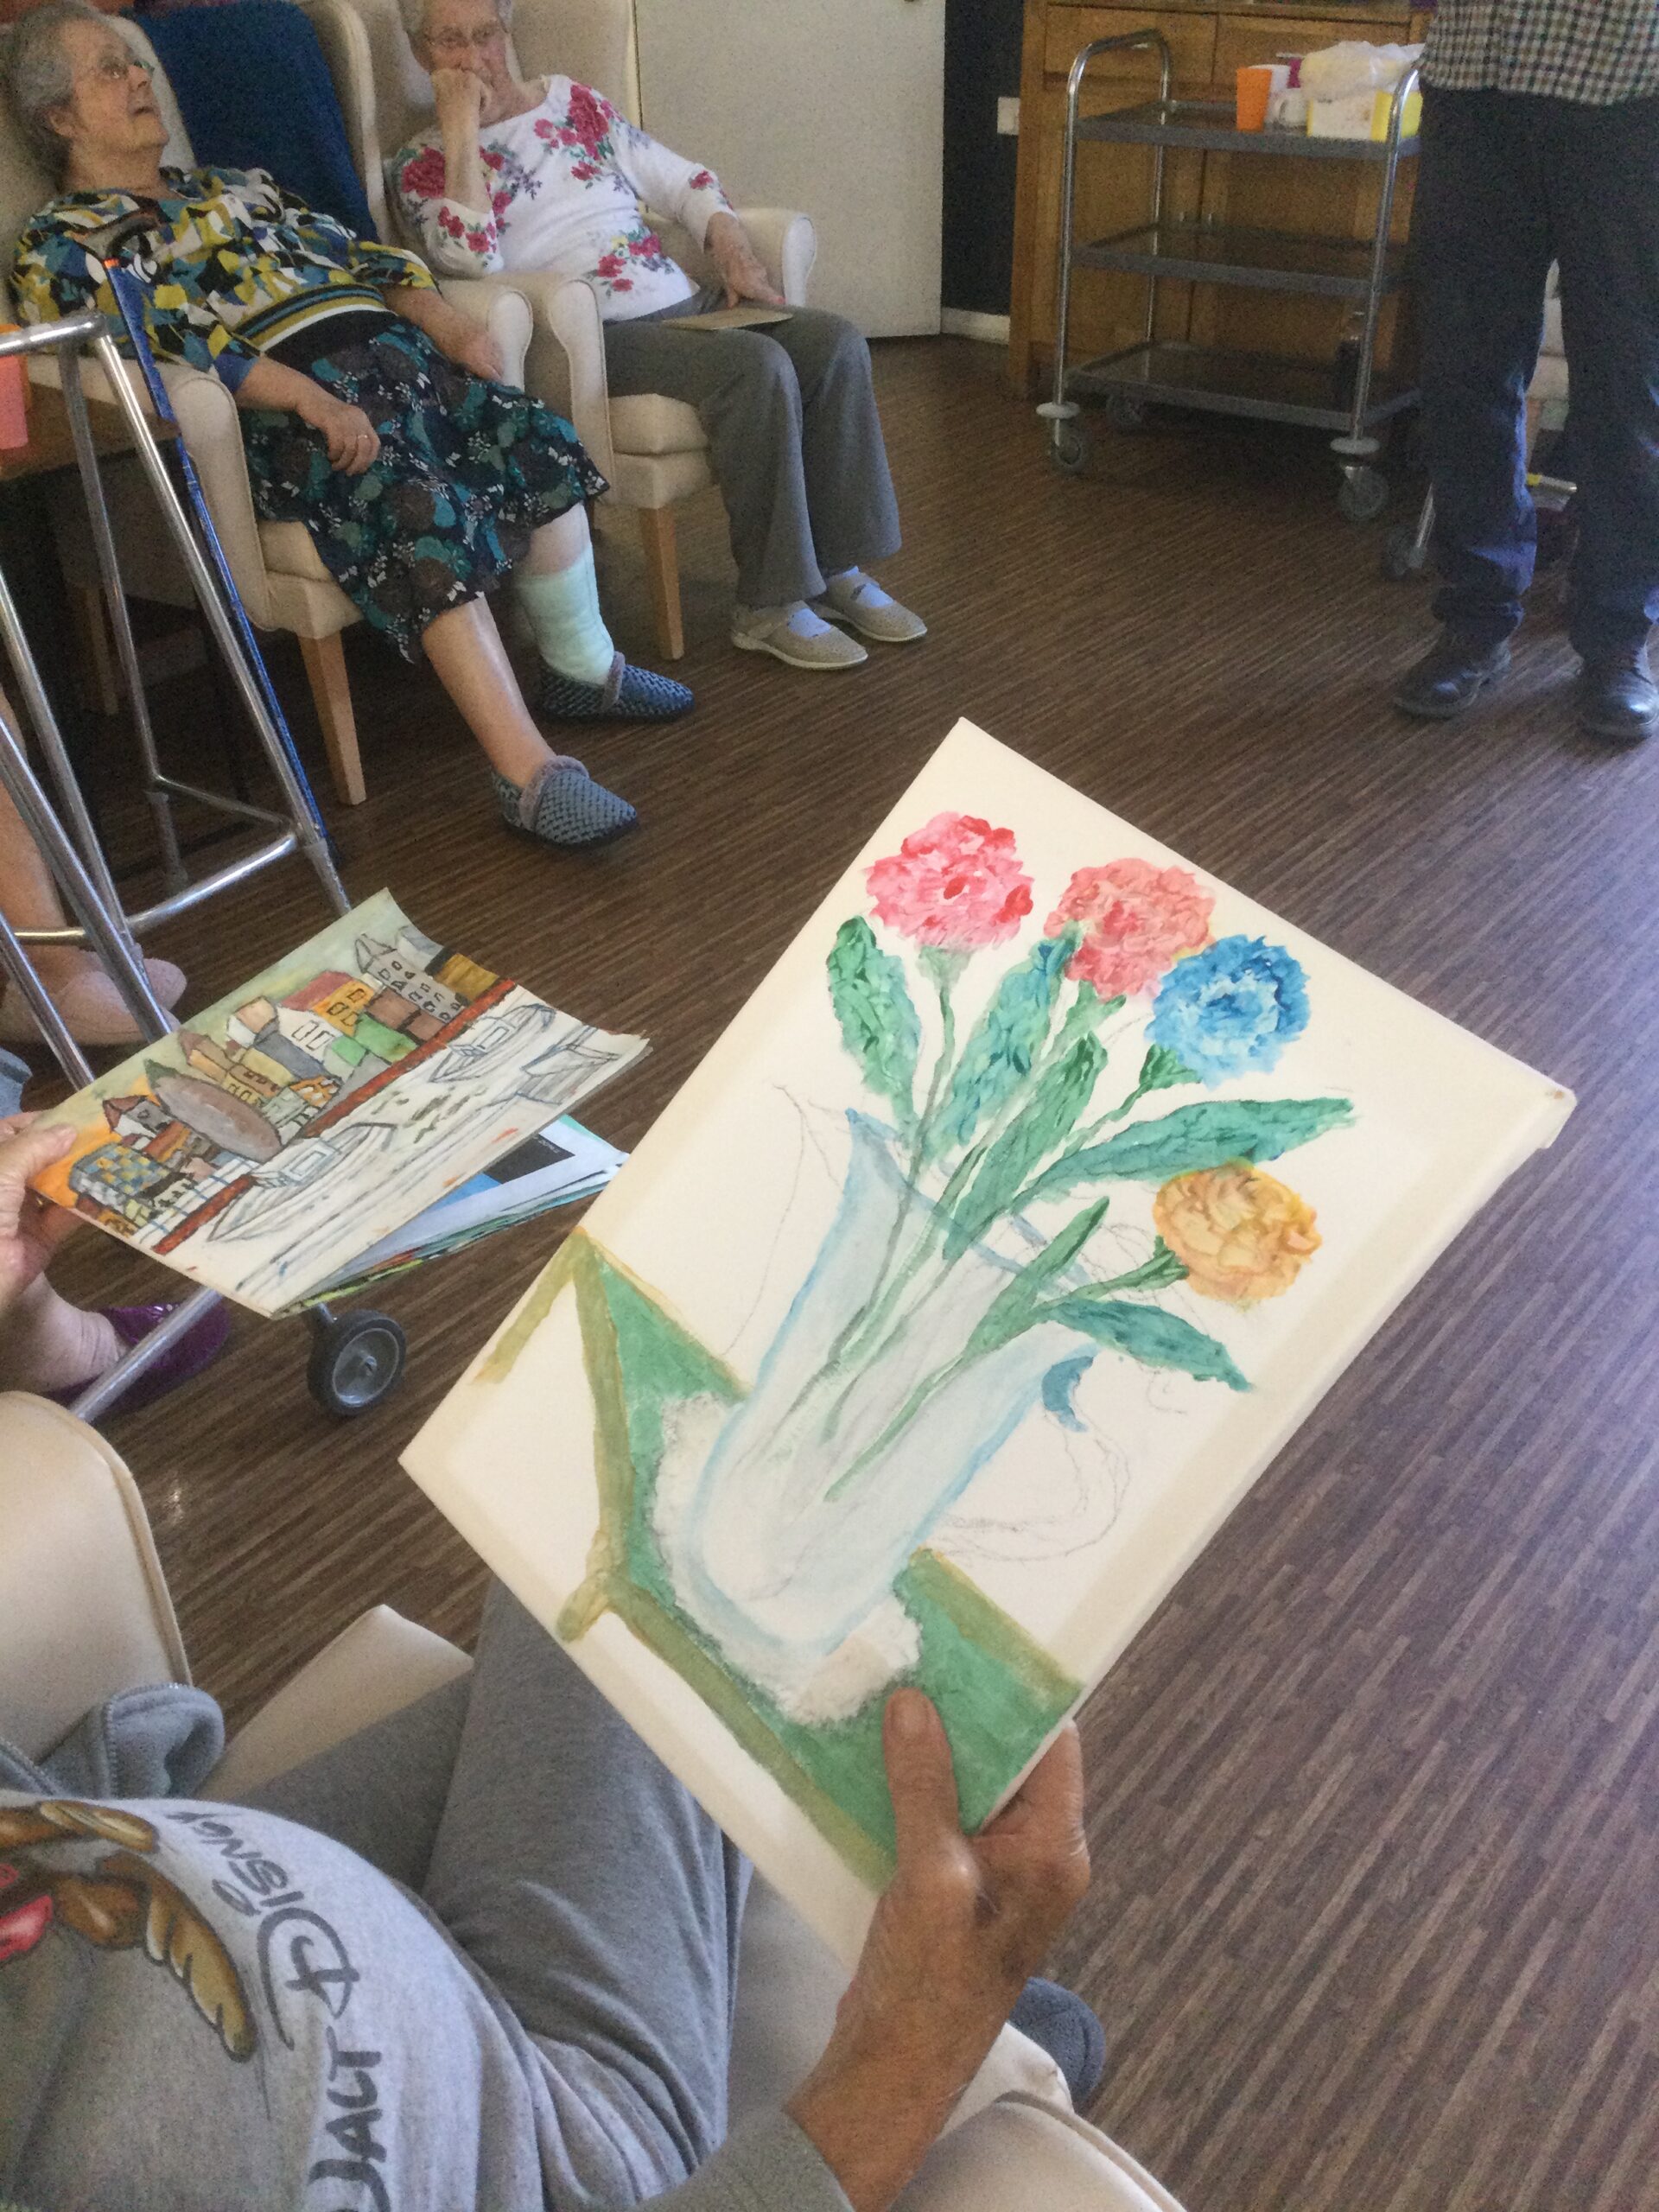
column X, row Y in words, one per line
column 232, row 267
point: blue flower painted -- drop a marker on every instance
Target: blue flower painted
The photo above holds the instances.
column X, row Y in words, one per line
column 1230, row 1009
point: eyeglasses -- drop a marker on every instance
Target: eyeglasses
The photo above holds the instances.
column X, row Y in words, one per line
column 458, row 42
column 108, row 70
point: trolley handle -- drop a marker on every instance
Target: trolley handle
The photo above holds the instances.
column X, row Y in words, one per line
column 1060, row 408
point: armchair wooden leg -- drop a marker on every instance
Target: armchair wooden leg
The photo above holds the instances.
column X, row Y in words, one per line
column 663, row 573
column 331, row 694
column 100, row 680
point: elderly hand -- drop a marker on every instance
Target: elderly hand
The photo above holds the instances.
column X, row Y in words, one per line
column 961, row 1926
column 31, row 1227
column 458, row 97
column 354, row 442
column 478, row 352
column 727, row 246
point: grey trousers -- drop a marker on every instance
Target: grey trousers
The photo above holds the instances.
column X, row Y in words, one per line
column 574, row 1870
column 795, row 438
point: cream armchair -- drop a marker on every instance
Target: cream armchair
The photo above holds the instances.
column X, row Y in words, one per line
column 283, row 582
column 651, row 449
column 85, row 1613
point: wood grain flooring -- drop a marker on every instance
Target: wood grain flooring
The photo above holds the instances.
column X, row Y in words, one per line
column 1373, row 1798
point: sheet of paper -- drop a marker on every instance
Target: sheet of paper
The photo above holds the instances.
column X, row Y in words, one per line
column 284, row 1131
column 738, row 318
column 1034, row 1197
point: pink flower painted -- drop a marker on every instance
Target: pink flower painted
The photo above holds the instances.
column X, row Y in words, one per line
column 956, row 884
column 1138, row 921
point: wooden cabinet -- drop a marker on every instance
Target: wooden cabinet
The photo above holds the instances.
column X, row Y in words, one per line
column 1207, row 46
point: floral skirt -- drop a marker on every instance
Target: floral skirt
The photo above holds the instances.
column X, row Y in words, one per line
column 466, row 471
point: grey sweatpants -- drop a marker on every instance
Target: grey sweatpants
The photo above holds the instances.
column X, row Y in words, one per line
column 577, row 1873
column 796, row 440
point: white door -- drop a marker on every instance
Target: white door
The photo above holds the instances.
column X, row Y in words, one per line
column 833, row 106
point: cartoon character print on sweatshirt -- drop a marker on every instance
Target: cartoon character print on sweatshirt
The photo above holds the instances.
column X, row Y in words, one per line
column 123, row 1904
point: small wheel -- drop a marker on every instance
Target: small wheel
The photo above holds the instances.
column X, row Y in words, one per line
column 1068, row 448
column 1125, row 412
column 1402, row 557
column 356, row 1360
column 1363, row 494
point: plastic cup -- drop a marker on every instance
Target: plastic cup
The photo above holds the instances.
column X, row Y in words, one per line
column 1255, row 91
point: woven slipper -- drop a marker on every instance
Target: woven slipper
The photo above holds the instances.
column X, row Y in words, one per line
column 627, row 695
column 562, row 805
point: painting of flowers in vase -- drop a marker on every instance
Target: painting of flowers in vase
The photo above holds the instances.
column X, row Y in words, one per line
column 955, row 1301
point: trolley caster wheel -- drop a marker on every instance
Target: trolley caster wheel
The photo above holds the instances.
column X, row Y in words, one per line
column 356, row 1361
column 1125, row 412
column 1068, row 448
column 1363, row 494
column 1402, row 557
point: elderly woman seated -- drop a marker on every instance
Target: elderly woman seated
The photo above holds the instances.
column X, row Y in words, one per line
column 548, row 175
column 373, row 412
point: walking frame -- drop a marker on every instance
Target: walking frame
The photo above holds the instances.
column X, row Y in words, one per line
column 355, row 1361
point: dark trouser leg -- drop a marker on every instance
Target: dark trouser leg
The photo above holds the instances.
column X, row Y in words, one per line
column 1481, row 251
column 855, row 517
column 602, row 1905
column 745, row 391
column 1604, row 188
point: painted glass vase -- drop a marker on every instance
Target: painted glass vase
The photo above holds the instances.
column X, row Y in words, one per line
column 863, row 1429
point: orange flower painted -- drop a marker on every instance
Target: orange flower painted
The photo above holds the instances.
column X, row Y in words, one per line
column 1240, row 1234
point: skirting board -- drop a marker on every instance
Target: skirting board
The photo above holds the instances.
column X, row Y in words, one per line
column 968, row 322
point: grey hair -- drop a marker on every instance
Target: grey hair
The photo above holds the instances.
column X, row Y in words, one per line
column 39, row 79
column 414, row 15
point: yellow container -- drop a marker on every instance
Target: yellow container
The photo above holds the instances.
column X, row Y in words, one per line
column 1382, row 108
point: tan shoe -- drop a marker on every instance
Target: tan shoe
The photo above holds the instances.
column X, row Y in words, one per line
column 92, row 1008
column 860, row 601
column 795, row 636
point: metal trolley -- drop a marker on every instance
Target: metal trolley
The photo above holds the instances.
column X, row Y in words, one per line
column 1178, row 373
column 357, row 1359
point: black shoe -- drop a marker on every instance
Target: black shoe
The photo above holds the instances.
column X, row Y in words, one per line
column 1062, row 2025
column 1449, row 678
column 1619, row 699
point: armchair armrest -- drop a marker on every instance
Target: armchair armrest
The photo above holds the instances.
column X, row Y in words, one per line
column 499, row 304
column 213, row 436
column 787, row 246
column 566, row 363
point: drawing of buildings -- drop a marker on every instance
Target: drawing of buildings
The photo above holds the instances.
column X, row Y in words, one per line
column 463, row 977
column 396, row 967
column 119, row 1179
column 137, row 1118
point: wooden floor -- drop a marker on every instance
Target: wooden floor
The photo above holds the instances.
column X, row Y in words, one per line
column 1374, row 1799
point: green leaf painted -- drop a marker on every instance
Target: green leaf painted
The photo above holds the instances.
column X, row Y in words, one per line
column 1148, row 1334
column 1161, row 1069
column 1011, row 1310
column 1190, row 1137
column 1040, row 1127
column 1156, row 1273
column 1005, row 1043
column 878, row 1020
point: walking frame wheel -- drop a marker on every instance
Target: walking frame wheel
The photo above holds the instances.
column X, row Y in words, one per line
column 356, row 1360
column 1126, row 412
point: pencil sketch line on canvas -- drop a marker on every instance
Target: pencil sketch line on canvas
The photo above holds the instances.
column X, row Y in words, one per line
column 781, row 1539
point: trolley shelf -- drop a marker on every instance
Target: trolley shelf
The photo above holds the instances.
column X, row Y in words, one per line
column 1214, row 253
column 1207, row 127
column 1256, row 384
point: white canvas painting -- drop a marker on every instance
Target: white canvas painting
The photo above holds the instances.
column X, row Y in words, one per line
column 1034, row 1197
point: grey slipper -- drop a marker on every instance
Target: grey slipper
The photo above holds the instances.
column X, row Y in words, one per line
column 562, row 805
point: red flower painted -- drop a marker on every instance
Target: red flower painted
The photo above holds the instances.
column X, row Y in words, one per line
column 585, row 172
column 956, row 884
column 491, row 157
column 648, row 242
column 702, row 181
column 611, row 264
column 21, row 1930
column 1138, row 921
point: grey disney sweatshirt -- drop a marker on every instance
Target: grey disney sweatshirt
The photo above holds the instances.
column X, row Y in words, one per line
column 201, row 2006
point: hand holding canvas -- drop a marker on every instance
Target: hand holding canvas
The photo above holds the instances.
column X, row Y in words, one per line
column 29, row 1227
column 961, row 1926
column 737, row 265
